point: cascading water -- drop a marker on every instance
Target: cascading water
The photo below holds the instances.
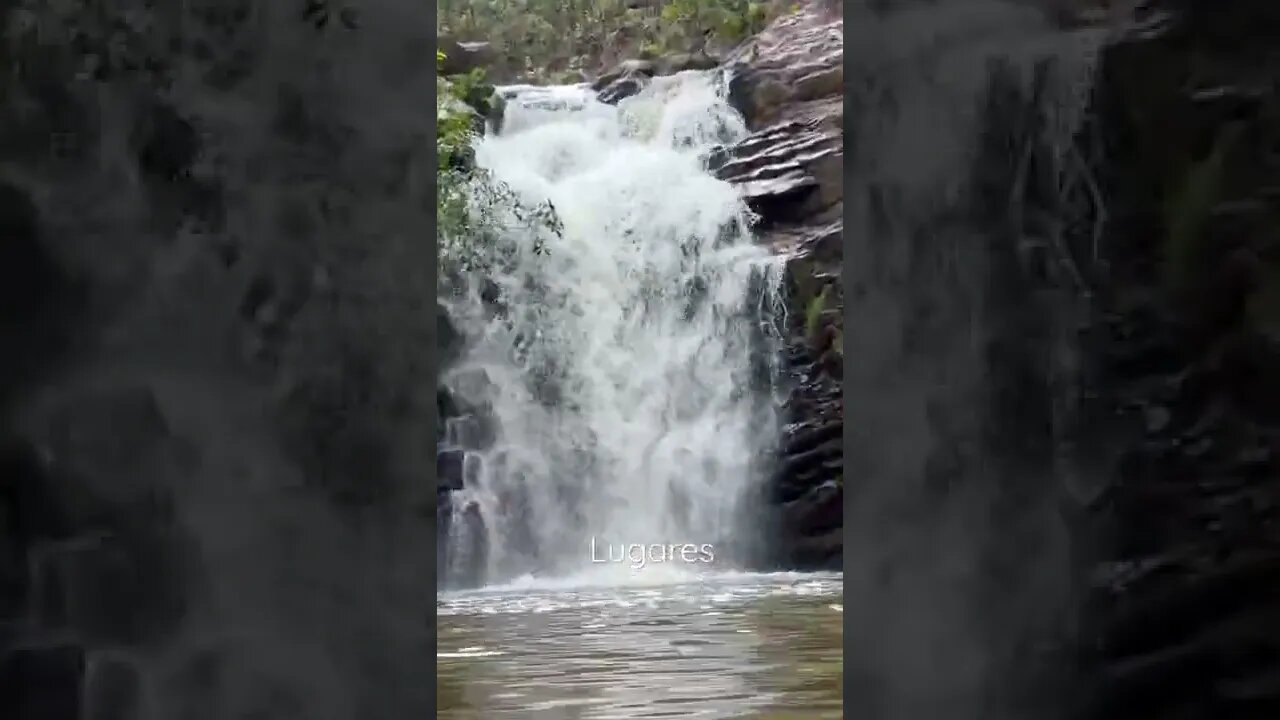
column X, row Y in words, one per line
column 624, row 360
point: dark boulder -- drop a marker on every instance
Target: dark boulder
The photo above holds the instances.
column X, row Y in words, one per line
column 622, row 88
column 450, row 468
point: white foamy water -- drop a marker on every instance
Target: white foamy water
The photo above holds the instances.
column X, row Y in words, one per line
column 623, row 365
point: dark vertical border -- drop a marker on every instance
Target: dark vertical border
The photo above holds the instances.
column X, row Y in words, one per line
column 847, row 292
column 432, row 354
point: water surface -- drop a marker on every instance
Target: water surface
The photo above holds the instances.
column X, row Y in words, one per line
column 764, row 647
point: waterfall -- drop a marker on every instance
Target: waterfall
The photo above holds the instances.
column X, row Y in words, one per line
column 623, row 357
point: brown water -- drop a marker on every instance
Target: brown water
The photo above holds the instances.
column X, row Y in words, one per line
column 763, row 647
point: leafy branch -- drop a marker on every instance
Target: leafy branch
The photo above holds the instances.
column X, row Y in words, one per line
column 478, row 216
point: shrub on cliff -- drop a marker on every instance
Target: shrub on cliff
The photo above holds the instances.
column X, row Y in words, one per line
column 477, row 216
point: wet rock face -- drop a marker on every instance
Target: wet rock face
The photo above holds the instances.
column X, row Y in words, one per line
column 788, row 172
column 465, row 427
column 793, row 69
column 787, row 84
column 623, row 87
column 627, row 79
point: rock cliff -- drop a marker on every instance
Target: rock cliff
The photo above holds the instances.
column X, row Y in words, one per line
column 788, row 82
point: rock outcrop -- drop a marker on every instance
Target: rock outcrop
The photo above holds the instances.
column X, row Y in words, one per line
column 788, row 84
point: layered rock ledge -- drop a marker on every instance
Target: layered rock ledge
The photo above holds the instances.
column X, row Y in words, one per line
column 788, row 84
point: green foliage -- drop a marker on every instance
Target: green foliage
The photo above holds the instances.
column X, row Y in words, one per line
column 454, row 132
column 454, row 135
column 813, row 312
column 533, row 37
column 727, row 20
column 475, row 213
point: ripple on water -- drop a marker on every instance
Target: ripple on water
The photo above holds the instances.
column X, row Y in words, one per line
column 729, row 646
